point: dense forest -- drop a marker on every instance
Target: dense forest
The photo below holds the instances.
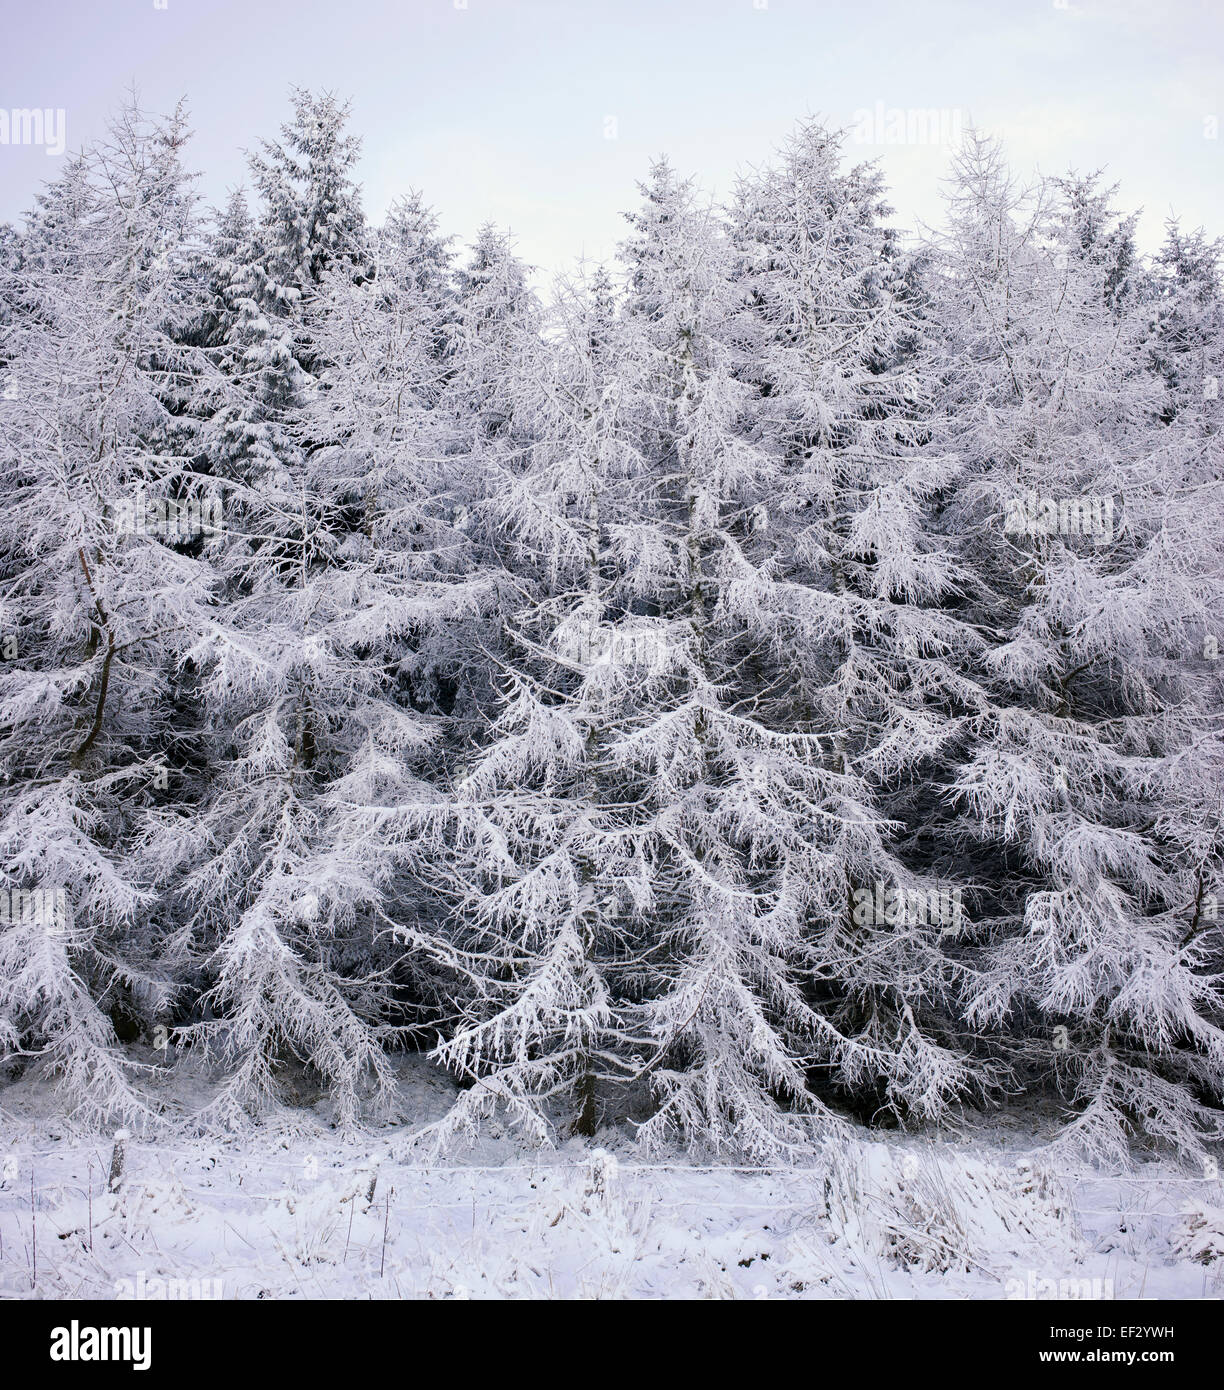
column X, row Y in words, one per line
column 766, row 682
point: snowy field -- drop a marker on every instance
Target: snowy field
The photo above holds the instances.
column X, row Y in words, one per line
column 294, row 1211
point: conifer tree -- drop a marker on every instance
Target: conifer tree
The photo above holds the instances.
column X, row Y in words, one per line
column 102, row 595
column 1067, row 512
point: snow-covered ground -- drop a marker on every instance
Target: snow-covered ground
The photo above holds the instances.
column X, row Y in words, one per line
column 293, row 1210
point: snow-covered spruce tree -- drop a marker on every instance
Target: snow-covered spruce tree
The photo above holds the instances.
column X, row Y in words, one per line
column 310, row 218
column 1185, row 307
column 254, row 274
column 849, row 634
column 528, row 1004
column 1070, row 520
column 424, row 264
column 413, row 585
column 459, row 321
column 100, row 597
column 536, row 845
column 718, row 809
column 496, row 316
column 11, row 260
column 493, row 331
column 225, row 268
column 726, row 810
column 281, row 890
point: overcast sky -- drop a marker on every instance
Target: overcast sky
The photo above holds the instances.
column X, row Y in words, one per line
column 542, row 114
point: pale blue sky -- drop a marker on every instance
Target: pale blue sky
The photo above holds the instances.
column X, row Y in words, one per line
column 500, row 110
